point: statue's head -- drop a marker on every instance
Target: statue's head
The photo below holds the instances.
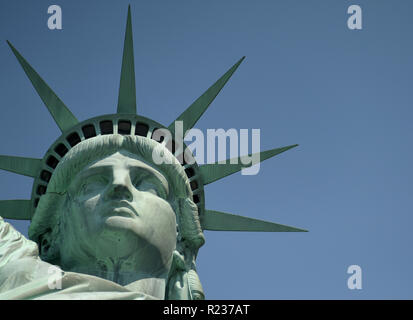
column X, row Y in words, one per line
column 108, row 202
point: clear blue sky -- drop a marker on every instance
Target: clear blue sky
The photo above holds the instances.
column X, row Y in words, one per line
column 345, row 96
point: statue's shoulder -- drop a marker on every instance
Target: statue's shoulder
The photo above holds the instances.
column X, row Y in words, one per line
column 14, row 246
column 19, row 259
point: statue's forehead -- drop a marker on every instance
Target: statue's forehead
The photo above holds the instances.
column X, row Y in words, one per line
column 123, row 159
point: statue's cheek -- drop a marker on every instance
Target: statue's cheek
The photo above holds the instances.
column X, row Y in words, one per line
column 168, row 227
column 164, row 211
column 160, row 217
column 84, row 212
column 85, row 203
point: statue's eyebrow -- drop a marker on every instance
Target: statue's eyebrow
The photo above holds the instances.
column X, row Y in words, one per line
column 153, row 173
column 93, row 170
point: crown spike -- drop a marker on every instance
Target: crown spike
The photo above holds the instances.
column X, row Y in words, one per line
column 127, row 88
column 192, row 114
column 15, row 209
column 221, row 221
column 215, row 171
column 25, row 166
column 60, row 113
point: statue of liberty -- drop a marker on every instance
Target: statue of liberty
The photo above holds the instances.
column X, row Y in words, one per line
column 110, row 221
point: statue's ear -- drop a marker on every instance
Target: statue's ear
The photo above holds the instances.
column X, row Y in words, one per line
column 45, row 244
column 183, row 284
column 189, row 224
column 178, row 288
column 177, row 283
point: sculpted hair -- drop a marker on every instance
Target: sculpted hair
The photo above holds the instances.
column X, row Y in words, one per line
column 183, row 281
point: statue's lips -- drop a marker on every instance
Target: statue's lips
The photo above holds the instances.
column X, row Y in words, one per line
column 121, row 208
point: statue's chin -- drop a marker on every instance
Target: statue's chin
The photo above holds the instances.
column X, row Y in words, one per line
column 120, row 235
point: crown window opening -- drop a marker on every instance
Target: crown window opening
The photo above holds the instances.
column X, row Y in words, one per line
column 190, row 172
column 73, row 139
column 106, row 127
column 196, row 198
column 61, row 150
column 52, row 162
column 41, row 190
column 171, row 145
column 194, row 185
column 89, row 131
column 45, row 175
column 124, row 127
column 141, row 129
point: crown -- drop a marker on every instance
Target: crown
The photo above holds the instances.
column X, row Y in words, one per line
column 127, row 122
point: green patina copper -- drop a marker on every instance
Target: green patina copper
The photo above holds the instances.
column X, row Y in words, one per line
column 25, row 166
column 192, row 114
column 63, row 117
column 221, row 221
column 127, row 90
column 15, row 209
column 118, row 224
column 215, row 171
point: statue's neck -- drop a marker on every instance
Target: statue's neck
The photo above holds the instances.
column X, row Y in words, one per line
column 118, row 271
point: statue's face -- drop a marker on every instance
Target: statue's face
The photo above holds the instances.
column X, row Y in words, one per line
column 119, row 208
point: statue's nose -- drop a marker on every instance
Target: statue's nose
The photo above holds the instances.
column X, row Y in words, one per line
column 121, row 188
column 120, row 192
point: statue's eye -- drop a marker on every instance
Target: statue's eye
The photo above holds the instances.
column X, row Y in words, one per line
column 151, row 185
column 92, row 184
